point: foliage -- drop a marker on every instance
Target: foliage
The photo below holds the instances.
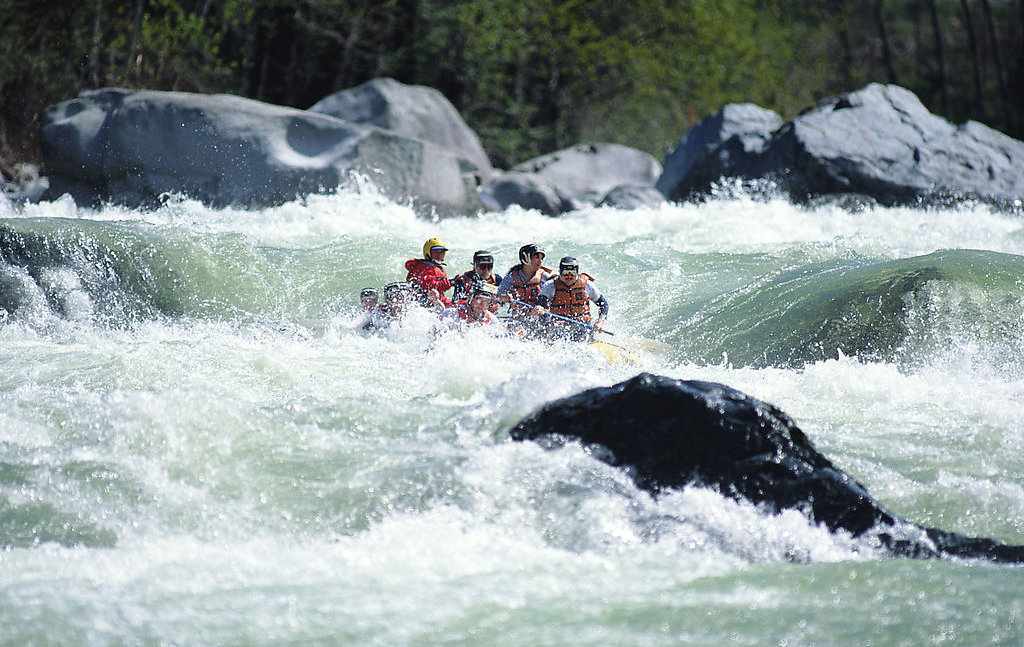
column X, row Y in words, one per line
column 555, row 72
column 530, row 76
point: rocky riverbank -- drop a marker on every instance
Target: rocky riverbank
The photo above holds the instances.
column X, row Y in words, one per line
column 878, row 145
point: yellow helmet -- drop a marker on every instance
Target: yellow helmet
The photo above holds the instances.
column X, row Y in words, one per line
column 433, row 243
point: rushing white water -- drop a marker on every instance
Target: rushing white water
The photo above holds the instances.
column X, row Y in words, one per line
column 181, row 464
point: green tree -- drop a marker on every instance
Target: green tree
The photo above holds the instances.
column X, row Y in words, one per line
column 542, row 75
column 51, row 49
column 530, row 76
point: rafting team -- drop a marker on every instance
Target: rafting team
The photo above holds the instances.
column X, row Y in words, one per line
column 541, row 303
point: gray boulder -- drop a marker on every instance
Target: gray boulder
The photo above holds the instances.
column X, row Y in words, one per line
column 715, row 147
column 25, row 185
column 882, row 141
column 32, row 190
column 130, row 147
column 632, row 197
column 525, row 190
column 585, row 173
column 572, row 178
column 879, row 142
column 414, row 111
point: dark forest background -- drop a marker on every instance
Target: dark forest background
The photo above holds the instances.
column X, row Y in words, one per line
column 529, row 76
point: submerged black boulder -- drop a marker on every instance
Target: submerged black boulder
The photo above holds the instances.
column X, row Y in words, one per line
column 671, row 433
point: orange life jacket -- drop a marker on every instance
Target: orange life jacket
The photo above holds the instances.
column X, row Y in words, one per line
column 523, row 290
column 571, row 300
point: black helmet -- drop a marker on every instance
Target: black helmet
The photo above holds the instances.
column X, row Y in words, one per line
column 368, row 293
column 397, row 291
column 527, row 251
column 483, row 289
column 483, row 256
column 569, row 264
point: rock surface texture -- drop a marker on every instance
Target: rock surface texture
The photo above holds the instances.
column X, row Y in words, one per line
column 879, row 142
column 672, row 433
column 130, row 147
column 876, row 146
column 576, row 177
column 413, row 111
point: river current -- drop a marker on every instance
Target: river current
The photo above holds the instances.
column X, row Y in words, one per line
column 181, row 463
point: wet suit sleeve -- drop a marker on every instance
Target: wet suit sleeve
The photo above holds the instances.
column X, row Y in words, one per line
column 547, row 292
column 506, row 284
column 595, row 295
column 460, row 291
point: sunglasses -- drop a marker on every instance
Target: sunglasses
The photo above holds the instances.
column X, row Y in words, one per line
column 485, row 266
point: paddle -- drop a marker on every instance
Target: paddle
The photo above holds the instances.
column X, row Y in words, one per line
column 639, row 343
column 585, row 324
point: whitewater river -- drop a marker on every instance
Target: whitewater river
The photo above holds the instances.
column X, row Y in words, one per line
column 181, row 464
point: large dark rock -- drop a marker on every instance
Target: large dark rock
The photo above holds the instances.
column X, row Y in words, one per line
column 672, row 433
column 879, row 141
column 413, row 111
column 130, row 147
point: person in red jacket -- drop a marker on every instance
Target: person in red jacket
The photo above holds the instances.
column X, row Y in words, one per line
column 428, row 276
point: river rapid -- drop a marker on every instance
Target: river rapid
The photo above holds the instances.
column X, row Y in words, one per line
column 182, row 464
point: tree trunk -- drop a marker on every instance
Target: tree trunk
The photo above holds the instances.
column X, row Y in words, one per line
column 134, row 57
column 94, row 50
column 940, row 52
column 261, row 86
column 1004, row 95
column 290, row 80
column 846, row 59
column 972, row 39
column 883, row 32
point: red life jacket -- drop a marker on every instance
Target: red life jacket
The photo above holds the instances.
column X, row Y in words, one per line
column 425, row 274
column 464, row 284
column 571, row 300
column 469, row 278
column 523, row 290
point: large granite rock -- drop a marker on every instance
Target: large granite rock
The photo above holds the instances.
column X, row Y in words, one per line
column 879, row 141
column 130, row 147
column 413, row 111
column 631, row 197
column 672, row 433
column 572, row 178
column 524, row 190
column 715, row 147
